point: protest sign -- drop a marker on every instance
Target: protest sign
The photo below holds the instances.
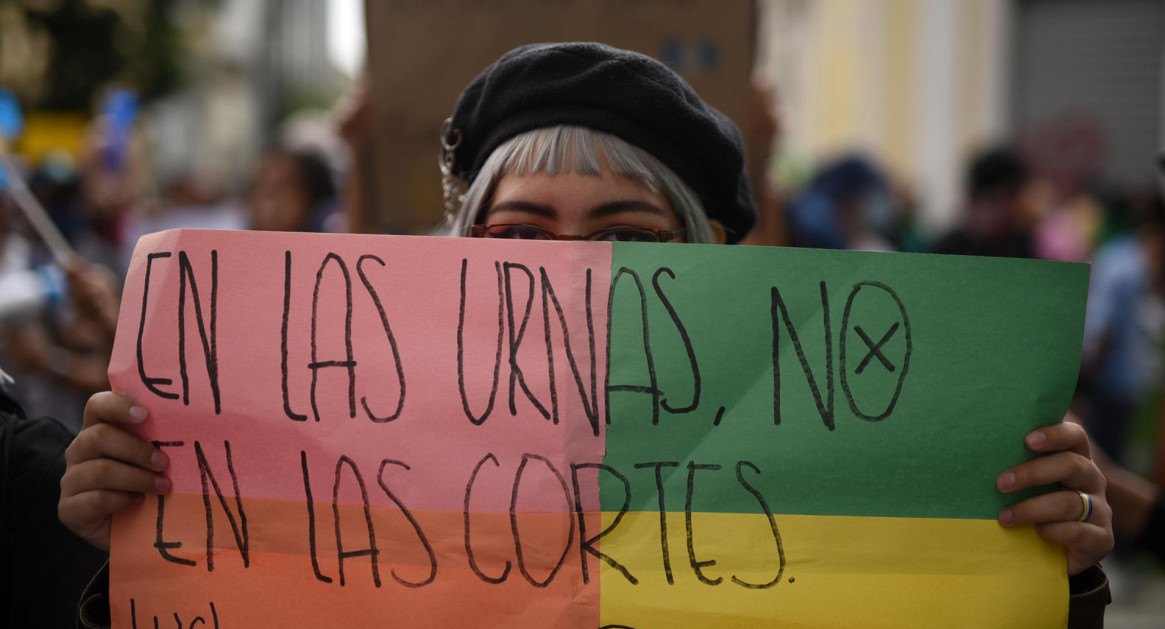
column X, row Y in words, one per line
column 420, row 432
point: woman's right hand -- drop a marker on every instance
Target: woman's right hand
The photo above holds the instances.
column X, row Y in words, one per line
column 108, row 469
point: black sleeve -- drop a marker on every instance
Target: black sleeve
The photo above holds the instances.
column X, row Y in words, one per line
column 44, row 565
column 1088, row 595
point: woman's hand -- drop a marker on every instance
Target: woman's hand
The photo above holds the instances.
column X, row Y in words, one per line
column 1057, row 515
column 107, row 469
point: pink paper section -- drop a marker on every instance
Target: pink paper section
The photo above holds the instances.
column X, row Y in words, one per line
column 432, row 447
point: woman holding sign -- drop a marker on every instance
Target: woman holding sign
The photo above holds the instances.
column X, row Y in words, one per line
column 582, row 141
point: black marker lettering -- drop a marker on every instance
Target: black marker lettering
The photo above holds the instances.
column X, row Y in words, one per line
column 526, row 458
column 675, row 317
column 697, row 566
column 209, row 345
column 516, row 377
column 588, row 545
column 653, row 387
column 242, row 539
column 875, row 350
column 311, row 520
column 348, row 363
column 772, row 526
column 163, row 546
column 468, row 546
column 391, row 341
column 372, row 550
column 461, row 347
column 416, row 527
column 779, row 311
column 283, row 343
column 151, row 383
column 658, row 466
column 590, row 406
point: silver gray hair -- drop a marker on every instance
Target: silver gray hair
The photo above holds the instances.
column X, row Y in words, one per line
column 566, row 148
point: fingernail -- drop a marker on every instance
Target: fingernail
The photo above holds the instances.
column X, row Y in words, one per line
column 1006, row 481
column 159, row 460
column 1036, row 439
column 138, row 414
column 1006, row 516
column 161, row 484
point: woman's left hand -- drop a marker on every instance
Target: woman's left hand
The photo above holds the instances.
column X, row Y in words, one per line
column 1057, row 515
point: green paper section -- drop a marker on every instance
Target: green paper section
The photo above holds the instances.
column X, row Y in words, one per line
column 930, row 372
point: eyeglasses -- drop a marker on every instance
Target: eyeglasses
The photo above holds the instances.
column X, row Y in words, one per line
column 611, row 234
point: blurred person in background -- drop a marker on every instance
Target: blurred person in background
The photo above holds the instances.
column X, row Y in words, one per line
column 1069, row 228
column 1120, row 210
column 194, row 200
column 292, row 191
column 355, row 123
column 992, row 222
column 1138, row 508
column 56, row 185
column 762, row 130
column 1066, row 154
column 1124, row 330
column 56, row 343
column 113, row 170
column 907, row 233
column 847, row 205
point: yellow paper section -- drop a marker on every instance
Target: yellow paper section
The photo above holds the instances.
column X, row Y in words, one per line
column 839, row 572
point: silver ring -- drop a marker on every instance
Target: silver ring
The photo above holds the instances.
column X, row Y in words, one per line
column 1086, row 504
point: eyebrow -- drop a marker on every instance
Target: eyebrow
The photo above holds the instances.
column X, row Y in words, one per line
column 600, row 211
column 523, row 206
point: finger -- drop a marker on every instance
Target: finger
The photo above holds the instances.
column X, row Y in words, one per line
column 89, row 515
column 110, row 407
column 1085, row 543
column 1068, row 468
column 1059, row 437
column 108, row 474
column 1057, row 506
column 104, row 441
column 1073, row 534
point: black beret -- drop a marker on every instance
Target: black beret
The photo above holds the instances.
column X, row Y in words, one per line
column 624, row 93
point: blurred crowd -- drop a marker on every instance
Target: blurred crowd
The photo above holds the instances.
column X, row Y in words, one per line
column 1013, row 207
column 58, row 318
column 1019, row 200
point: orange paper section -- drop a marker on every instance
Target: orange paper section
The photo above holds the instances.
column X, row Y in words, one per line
column 428, row 583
